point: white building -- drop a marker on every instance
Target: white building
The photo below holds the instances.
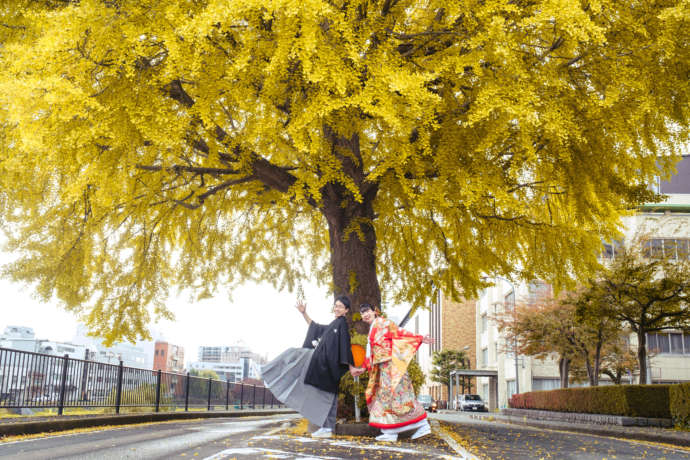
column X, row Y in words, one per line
column 233, row 363
column 232, row 371
column 139, row 355
column 667, row 226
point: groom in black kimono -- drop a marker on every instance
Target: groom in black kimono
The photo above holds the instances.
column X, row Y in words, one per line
column 332, row 356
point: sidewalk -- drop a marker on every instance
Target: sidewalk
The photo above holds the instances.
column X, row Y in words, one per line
column 30, row 425
column 653, row 434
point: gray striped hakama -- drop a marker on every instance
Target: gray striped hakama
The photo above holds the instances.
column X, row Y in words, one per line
column 284, row 376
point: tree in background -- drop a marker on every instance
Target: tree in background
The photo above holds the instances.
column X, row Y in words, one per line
column 619, row 360
column 444, row 362
column 199, row 388
column 146, row 145
column 536, row 330
column 552, row 326
column 646, row 292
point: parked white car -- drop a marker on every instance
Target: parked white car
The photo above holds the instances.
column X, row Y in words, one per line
column 471, row 403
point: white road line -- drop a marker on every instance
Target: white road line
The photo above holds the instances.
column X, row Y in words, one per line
column 465, row 455
column 274, row 453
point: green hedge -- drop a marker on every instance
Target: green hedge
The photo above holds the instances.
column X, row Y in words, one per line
column 679, row 397
column 629, row 400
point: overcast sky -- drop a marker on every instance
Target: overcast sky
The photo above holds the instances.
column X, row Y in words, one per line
column 258, row 316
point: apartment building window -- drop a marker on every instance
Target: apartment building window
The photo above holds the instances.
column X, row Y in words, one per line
column 537, row 290
column 485, row 323
column 675, row 343
column 612, row 249
column 509, row 300
column 485, row 357
column 670, row 248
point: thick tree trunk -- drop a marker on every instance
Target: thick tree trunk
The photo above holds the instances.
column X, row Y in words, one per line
column 351, row 231
column 642, row 356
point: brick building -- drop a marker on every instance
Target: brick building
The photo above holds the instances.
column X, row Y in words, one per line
column 454, row 326
column 168, row 357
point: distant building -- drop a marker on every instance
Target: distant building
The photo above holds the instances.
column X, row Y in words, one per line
column 233, row 363
column 18, row 338
column 168, row 357
column 137, row 355
column 228, row 354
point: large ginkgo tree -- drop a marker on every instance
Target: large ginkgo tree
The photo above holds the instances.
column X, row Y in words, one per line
column 400, row 146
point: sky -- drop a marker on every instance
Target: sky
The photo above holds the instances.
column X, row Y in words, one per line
column 258, row 316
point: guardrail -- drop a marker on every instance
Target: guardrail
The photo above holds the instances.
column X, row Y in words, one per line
column 36, row 380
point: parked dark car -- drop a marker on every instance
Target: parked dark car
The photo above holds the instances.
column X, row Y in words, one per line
column 471, row 403
column 427, row 403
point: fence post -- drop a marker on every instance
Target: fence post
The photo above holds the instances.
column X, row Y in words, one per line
column 186, row 394
column 118, row 397
column 263, row 399
column 254, row 397
column 63, row 383
column 227, row 394
column 241, row 395
column 210, row 382
column 158, row 390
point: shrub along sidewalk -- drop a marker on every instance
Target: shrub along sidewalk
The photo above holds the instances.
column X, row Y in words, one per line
column 651, row 401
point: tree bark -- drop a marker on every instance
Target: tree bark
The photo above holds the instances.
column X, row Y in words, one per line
column 563, row 370
column 351, row 231
column 597, row 363
column 642, row 355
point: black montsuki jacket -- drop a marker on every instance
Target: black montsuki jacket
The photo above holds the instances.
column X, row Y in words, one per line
column 332, row 356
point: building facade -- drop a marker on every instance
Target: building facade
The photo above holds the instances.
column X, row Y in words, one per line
column 453, row 326
column 233, row 363
column 168, row 357
column 666, row 227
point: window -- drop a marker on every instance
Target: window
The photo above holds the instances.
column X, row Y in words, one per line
column 539, row 384
column 485, row 357
column 611, row 249
column 671, row 248
column 509, row 300
column 676, row 343
column 664, row 346
column 510, row 388
column 652, row 344
column 485, row 323
column 538, row 290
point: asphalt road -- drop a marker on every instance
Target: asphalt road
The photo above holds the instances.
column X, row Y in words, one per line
column 210, row 439
column 503, row 441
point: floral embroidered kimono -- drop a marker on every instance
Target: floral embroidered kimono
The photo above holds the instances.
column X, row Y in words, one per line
column 390, row 396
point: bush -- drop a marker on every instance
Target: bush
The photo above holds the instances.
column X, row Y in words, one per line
column 679, row 403
column 629, row 400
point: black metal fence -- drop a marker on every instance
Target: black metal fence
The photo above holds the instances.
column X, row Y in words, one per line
column 35, row 380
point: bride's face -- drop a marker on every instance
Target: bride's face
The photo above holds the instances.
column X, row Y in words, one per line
column 368, row 316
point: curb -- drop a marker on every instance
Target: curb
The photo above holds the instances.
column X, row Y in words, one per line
column 43, row 426
column 676, row 438
column 356, row 429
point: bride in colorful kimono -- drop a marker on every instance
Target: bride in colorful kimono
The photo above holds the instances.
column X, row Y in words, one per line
column 306, row 379
column 392, row 404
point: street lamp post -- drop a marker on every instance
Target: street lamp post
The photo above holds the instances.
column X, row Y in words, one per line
column 515, row 347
